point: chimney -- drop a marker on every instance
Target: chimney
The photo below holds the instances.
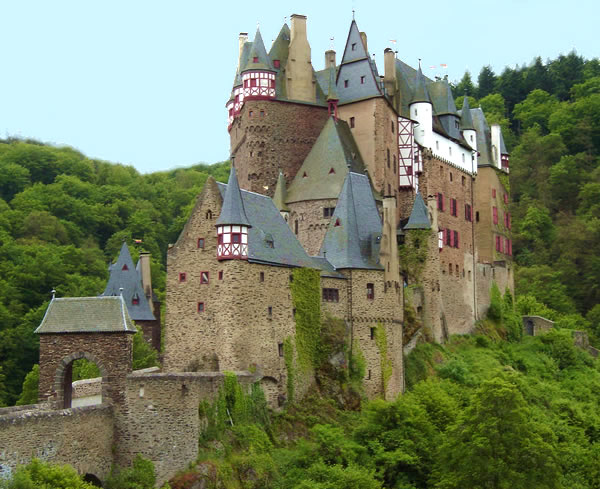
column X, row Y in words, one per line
column 329, row 59
column 146, row 275
column 363, row 37
column 495, row 133
column 242, row 40
column 299, row 71
column 389, row 78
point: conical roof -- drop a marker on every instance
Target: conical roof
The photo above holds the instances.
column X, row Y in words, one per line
column 258, row 52
column 353, row 238
column 233, row 211
column 280, row 194
column 420, row 94
column 419, row 217
column 280, row 48
column 355, row 49
column 441, row 98
column 466, row 120
column 125, row 280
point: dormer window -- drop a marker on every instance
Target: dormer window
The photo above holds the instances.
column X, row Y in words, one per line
column 304, row 175
column 135, row 300
column 337, row 222
column 232, row 242
column 363, row 79
column 331, row 171
column 276, row 63
column 255, row 59
column 353, row 46
column 125, row 268
column 346, row 83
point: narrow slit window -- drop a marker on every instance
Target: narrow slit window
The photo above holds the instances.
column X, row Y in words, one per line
column 203, row 277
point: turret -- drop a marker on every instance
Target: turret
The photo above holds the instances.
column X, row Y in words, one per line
column 421, row 111
column 257, row 74
column 466, row 124
column 232, row 225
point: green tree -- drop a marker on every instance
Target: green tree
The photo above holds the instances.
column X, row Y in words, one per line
column 465, row 85
column 41, row 475
column 486, row 82
column 536, row 109
column 495, row 444
column 29, row 395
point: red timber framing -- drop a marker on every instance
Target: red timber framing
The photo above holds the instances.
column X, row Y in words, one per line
column 259, row 84
column 232, row 243
column 409, row 166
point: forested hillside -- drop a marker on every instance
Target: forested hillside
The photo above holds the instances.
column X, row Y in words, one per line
column 63, row 218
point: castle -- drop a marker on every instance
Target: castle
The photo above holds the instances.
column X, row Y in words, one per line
column 394, row 202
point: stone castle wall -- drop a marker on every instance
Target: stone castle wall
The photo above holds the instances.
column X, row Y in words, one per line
column 270, row 135
column 81, row 437
column 312, row 226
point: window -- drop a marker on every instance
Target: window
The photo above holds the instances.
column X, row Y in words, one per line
column 236, row 238
column 394, row 163
column 200, row 306
column 453, row 207
column 449, row 235
column 328, row 212
column 280, row 349
column 296, row 226
column 262, row 113
column 346, row 83
column 369, row 375
column 337, row 222
column 393, row 127
column 440, row 202
column 450, row 150
column 477, row 216
column 456, row 239
column 182, row 277
column 331, row 171
column 276, row 63
column 370, row 291
column 498, row 244
column 388, row 157
column 220, row 274
column 250, row 113
column 201, row 243
column 362, row 80
column 255, row 59
column 495, row 214
column 304, row 175
column 449, row 268
column 463, row 180
column 261, row 277
column 125, row 268
column 270, row 311
column 493, row 193
column 352, row 122
column 440, row 239
column 135, row 300
column 463, row 157
column 353, row 46
column 450, row 176
column 437, row 145
column 331, row 295
column 468, row 213
column 203, row 277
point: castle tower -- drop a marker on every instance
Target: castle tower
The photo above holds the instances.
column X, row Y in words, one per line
column 421, row 111
column 466, row 125
column 232, row 224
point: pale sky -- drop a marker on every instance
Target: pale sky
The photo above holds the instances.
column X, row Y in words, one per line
column 145, row 83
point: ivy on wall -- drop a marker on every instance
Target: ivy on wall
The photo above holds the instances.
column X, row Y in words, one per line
column 413, row 254
column 306, row 297
column 288, row 356
column 386, row 363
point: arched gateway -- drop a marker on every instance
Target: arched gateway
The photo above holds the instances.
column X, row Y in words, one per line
column 96, row 328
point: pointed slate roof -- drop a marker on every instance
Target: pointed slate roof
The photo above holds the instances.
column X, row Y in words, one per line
column 124, row 275
column 420, row 94
column 280, row 194
column 503, row 150
column 466, row 121
column 484, row 137
column 355, row 49
column 334, row 149
column 266, row 227
column 233, row 211
column 86, row 315
column 419, row 216
column 280, row 48
column 441, row 98
column 353, row 238
column 257, row 50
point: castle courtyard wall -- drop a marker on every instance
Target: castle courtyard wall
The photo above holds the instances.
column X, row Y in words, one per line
column 81, row 437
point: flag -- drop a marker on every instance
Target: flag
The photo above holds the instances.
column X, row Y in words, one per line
column 443, row 65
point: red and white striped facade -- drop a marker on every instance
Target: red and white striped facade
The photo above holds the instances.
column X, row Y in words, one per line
column 255, row 85
column 409, row 161
column 232, row 242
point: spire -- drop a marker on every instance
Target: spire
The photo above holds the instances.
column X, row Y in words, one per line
column 355, row 48
column 466, row 120
column 232, row 211
column 421, row 93
column 280, row 194
column 258, row 58
column 419, row 217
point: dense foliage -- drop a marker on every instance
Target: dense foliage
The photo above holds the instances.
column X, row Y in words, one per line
column 63, row 218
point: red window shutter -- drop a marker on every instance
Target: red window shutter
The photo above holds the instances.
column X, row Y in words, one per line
column 497, row 243
column 494, row 193
column 506, row 198
column 495, row 212
column 456, row 239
